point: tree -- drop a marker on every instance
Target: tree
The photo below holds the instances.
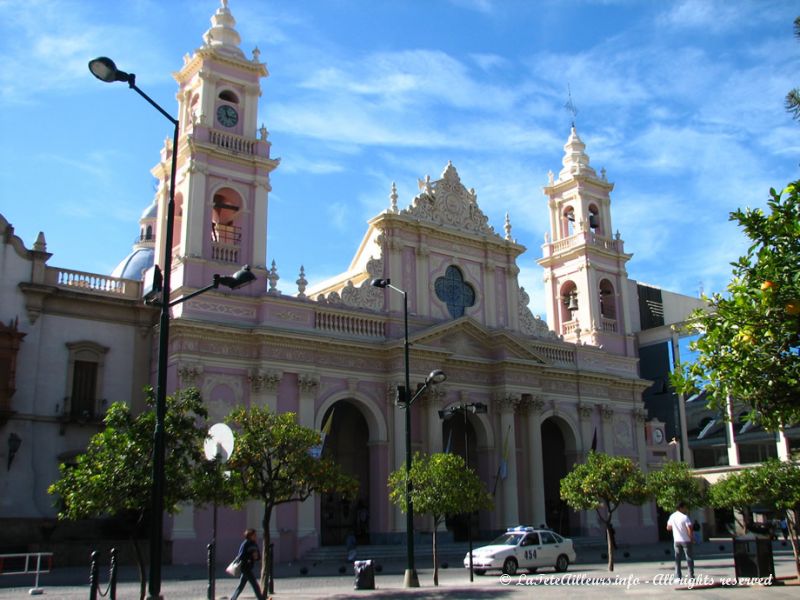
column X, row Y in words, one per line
column 674, row 483
column 441, row 485
column 749, row 347
column 602, row 484
column 793, row 97
column 777, row 485
column 114, row 475
column 736, row 492
column 273, row 463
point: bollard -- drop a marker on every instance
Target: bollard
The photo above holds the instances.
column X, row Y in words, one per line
column 93, row 577
column 271, row 580
column 211, row 575
column 112, row 576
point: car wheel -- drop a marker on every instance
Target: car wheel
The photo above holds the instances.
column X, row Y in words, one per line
column 562, row 563
column 479, row 571
column 510, row 566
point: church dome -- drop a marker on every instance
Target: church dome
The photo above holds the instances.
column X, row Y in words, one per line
column 134, row 265
column 151, row 212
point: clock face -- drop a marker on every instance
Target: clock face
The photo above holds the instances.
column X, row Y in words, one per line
column 227, row 116
column 658, row 436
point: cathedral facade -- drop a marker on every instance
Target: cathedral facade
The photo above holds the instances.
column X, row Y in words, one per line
column 333, row 353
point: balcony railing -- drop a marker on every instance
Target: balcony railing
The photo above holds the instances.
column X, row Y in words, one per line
column 609, row 325
column 234, row 143
column 348, row 324
column 92, row 282
column 225, row 252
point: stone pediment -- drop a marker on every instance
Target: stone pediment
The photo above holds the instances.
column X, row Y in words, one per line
column 447, row 203
column 466, row 338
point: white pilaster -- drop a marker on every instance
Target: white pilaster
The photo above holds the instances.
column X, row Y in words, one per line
column 508, row 487
column 306, row 511
column 536, row 464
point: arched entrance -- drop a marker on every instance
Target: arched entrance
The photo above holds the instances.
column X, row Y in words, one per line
column 453, row 438
column 558, row 447
column 347, row 445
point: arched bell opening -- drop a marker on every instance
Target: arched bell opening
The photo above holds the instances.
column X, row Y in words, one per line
column 569, row 301
column 608, row 306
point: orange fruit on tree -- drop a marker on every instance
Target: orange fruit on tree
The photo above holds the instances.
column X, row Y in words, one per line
column 767, row 285
column 793, row 307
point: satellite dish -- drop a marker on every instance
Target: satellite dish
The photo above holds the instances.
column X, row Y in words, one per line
column 219, row 443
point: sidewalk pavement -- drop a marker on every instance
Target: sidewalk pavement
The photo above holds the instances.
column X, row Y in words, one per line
column 633, row 576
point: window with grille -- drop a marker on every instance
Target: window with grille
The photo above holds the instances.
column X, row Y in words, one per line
column 84, row 389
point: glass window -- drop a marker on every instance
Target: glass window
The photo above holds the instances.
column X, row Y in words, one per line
column 455, row 292
column 547, row 537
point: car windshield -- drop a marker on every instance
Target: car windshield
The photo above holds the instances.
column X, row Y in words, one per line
column 507, row 539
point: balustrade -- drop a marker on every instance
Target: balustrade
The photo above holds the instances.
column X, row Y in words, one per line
column 234, row 143
column 349, row 324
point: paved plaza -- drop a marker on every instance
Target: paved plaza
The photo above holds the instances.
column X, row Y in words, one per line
column 631, row 578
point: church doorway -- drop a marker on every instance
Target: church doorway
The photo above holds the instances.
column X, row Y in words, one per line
column 347, row 445
column 558, row 445
column 453, row 430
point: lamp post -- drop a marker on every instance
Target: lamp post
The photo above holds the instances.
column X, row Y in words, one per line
column 105, row 70
column 476, row 408
column 410, row 579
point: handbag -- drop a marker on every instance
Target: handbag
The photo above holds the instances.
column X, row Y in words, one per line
column 235, row 568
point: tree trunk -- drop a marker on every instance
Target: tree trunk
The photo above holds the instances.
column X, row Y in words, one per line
column 137, row 552
column 266, row 554
column 791, row 519
column 435, row 557
column 610, row 547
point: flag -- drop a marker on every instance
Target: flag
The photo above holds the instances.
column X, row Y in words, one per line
column 316, row 451
column 594, row 440
column 504, row 459
column 326, row 428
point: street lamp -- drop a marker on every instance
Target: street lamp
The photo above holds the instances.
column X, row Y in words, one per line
column 476, row 408
column 437, row 376
column 105, row 70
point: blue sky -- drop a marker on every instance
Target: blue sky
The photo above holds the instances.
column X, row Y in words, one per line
column 680, row 101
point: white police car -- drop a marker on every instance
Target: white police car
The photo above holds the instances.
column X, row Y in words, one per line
column 523, row 548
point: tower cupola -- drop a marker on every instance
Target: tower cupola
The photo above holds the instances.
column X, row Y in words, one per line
column 222, row 35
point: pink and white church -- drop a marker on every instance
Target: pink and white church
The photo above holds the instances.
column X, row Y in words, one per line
column 72, row 342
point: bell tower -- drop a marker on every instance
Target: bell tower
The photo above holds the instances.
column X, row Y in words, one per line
column 585, row 278
column 224, row 163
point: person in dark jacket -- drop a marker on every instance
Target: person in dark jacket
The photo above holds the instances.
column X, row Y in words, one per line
column 248, row 556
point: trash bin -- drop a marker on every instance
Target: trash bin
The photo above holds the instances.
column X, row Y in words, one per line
column 752, row 557
column 365, row 575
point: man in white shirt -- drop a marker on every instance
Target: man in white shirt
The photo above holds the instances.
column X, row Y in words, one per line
column 681, row 527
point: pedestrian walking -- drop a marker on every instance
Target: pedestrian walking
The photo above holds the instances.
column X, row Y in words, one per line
column 680, row 525
column 248, row 556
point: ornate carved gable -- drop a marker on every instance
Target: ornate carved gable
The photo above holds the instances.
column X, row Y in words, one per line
column 448, row 203
column 466, row 338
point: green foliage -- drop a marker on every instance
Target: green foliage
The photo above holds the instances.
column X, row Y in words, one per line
column 114, row 475
column 773, row 484
column 749, row 348
column 603, row 483
column 441, row 485
column 272, row 459
column 272, row 462
column 734, row 491
column 674, row 483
